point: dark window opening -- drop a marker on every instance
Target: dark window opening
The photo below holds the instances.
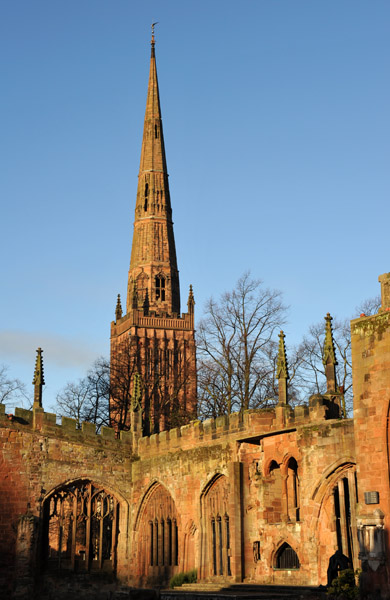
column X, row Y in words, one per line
column 220, row 545
column 151, row 543
column 176, row 532
column 146, row 197
column 163, row 543
column 229, row 571
column 286, row 558
column 160, row 288
column 156, row 131
column 292, row 490
column 214, row 547
column 342, row 508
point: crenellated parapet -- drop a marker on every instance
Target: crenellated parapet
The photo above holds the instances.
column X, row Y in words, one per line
column 47, row 425
column 238, row 426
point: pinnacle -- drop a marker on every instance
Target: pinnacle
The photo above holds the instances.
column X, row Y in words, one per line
column 329, row 354
column 38, row 372
column 282, row 363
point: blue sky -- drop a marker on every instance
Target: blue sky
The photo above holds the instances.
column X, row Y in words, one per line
column 276, row 128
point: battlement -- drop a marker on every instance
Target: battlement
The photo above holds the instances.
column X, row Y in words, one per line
column 46, row 423
column 249, row 426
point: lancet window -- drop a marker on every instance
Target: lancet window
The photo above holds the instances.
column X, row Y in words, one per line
column 218, row 527
column 344, row 496
column 292, row 490
column 146, row 197
column 286, row 558
column 81, row 528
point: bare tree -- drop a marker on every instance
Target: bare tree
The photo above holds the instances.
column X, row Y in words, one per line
column 13, row 391
column 310, row 373
column 87, row 399
column 236, row 349
column 310, row 376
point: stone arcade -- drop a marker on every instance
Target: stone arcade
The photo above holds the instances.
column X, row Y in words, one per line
column 265, row 496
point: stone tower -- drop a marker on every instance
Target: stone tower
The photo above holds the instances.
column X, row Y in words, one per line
column 152, row 339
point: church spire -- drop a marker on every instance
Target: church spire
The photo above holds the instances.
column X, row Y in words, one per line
column 153, row 266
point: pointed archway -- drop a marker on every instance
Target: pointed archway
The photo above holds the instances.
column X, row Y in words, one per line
column 80, row 528
column 157, row 536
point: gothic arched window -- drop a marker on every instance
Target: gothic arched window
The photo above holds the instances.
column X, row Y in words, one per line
column 292, row 490
column 81, row 527
column 286, row 558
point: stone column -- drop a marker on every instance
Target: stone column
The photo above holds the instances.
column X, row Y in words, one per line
column 237, row 564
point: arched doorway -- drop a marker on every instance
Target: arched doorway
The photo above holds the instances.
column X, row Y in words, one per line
column 216, row 529
column 80, row 522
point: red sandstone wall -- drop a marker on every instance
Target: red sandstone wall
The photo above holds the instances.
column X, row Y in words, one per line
column 185, row 461
column 371, row 384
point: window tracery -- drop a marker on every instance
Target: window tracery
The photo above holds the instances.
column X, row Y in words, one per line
column 81, row 524
column 158, row 527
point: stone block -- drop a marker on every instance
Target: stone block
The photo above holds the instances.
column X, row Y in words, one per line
column 108, row 433
column 88, row 428
column 68, row 423
column 222, row 423
column 25, row 415
column 49, row 418
column 208, row 426
column 127, row 437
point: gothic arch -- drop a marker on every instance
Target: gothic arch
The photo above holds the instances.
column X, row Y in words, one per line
column 216, row 527
column 157, row 535
column 271, row 462
column 335, row 498
column 81, row 526
column 330, row 476
column 285, row 556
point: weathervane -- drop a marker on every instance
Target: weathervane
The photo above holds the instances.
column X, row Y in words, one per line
column 153, row 24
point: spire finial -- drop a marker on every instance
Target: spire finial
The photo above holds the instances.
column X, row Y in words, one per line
column 118, row 309
column 282, row 371
column 282, row 363
column 38, row 380
column 329, row 357
column 329, row 354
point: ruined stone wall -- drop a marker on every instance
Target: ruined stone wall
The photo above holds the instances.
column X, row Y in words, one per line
column 36, row 456
column 371, row 385
column 232, row 478
column 187, row 461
